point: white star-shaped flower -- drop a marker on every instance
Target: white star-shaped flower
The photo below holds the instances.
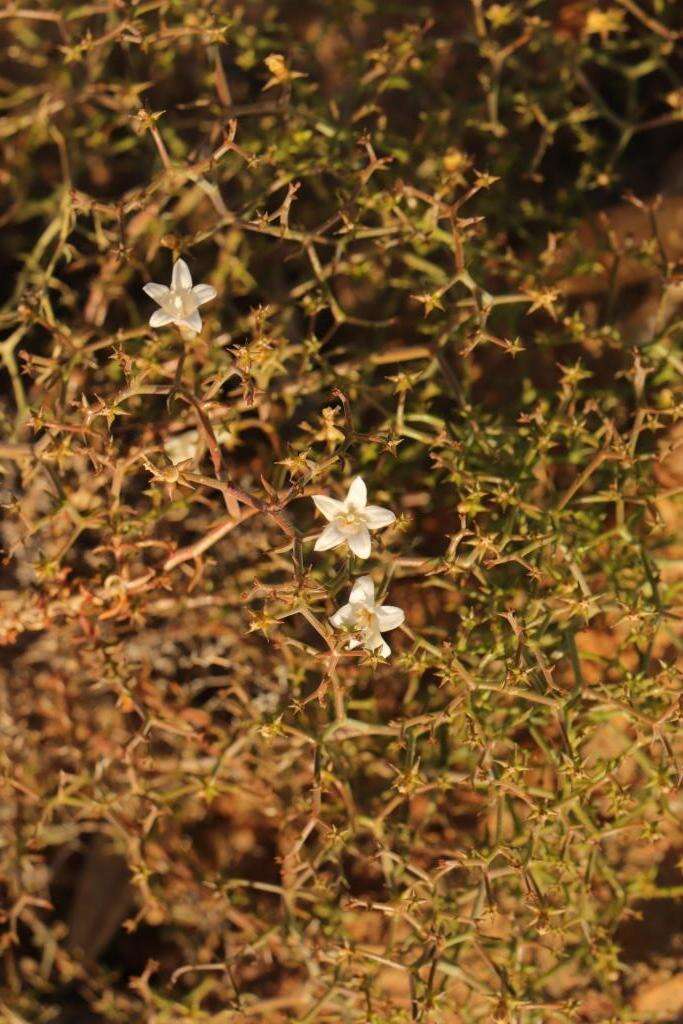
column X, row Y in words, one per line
column 350, row 520
column 179, row 302
column 368, row 619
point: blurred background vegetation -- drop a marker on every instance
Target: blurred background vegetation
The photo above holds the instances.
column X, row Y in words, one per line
column 446, row 239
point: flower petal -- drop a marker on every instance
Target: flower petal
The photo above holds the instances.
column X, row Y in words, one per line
column 389, row 617
column 330, row 507
column 156, row 291
column 385, row 649
column 204, row 293
column 372, row 639
column 159, row 318
column 363, row 591
column 181, row 278
column 358, row 493
column 359, row 542
column 376, row 518
column 193, row 321
column 344, row 616
column 329, row 538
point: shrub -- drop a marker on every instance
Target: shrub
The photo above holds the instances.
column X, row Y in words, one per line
column 444, row 242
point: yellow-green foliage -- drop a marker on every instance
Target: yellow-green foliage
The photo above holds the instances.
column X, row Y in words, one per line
column 441, row 263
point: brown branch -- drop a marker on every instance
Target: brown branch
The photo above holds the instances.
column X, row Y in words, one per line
column 208, row 540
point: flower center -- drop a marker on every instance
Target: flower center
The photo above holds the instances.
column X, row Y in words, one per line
column 181, row 304
column 365, row 619
column 350, row 518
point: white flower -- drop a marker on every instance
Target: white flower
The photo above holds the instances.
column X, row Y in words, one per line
column 182, row 447
column 179, row 302
column 367, row 618
column 351, row 520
